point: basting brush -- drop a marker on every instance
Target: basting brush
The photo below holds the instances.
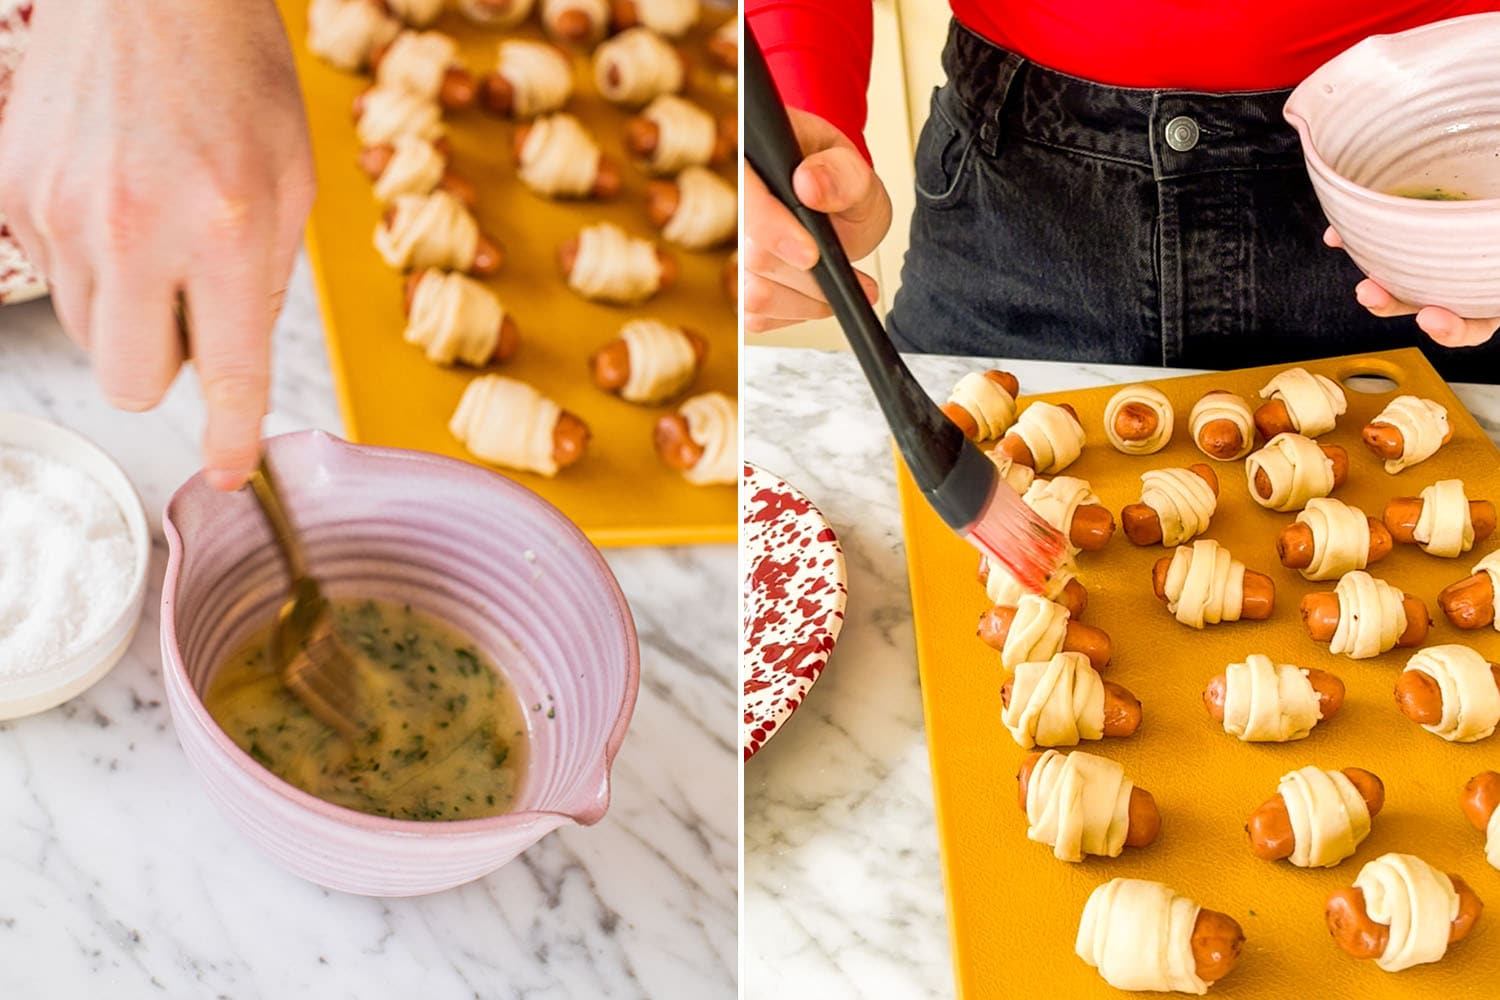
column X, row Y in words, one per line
column 958, row 480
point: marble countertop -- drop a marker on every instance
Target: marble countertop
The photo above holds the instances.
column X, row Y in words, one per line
column 118, row 879
column 843, row 891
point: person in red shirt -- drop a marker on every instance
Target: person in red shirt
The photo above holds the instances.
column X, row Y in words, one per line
column 1097, row 181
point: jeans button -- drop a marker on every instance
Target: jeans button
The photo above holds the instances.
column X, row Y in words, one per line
column 1182, row 133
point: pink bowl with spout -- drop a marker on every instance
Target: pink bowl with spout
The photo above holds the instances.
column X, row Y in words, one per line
column 1415, row 110
column 473, row 548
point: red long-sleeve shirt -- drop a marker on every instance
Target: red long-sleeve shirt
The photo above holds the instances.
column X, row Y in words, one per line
column 819, row 50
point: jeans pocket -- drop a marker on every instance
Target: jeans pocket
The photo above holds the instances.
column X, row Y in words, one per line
column 943, row 153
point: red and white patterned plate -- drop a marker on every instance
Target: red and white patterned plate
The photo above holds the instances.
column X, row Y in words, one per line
column 794, row 591
column 18, row 280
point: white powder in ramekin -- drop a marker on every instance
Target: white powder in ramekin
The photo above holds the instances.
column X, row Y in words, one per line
column 66, row 560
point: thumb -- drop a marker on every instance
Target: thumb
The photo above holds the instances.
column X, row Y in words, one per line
column 837, row 181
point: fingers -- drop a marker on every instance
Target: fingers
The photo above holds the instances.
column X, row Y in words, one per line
column 1331, row 238
column 136, row 347
column 839, row 183
column 1379, row 301
column 770, row 225
column 72, row 292
column 1452, row 330
column 771, row 300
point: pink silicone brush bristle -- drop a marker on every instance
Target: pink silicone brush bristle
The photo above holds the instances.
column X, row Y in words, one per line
column 1013, row 535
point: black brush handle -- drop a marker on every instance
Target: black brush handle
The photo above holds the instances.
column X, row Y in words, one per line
column 933, row 446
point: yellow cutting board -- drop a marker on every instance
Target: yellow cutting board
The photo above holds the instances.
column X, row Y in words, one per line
column 1014, row 909
column 389, row 394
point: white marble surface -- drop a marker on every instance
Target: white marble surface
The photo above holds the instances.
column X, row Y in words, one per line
column 843, row 893
column 118, row 880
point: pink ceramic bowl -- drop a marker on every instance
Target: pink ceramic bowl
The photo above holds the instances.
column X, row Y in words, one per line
column 1418, row 110
column 477, row 550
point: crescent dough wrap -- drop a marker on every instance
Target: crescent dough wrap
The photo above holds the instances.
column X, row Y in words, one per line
column 1018, row 477
column 1148, row 396
column 540, row 77
column 993, row 409
column 1055, row 703
column 1416, row 901
column 1329, row 817
column 1079, row 804
column 1268, row 703
column 1036, row 632
column 483, row 13
column 707, row 211
column 614, row 267
column 1055, row 500
column 508, row 423
column 417, row 61
column 428, row 230
column 667, row 17
column 1139, row 935
column 454, row 318
column 1471, row 700
column 1423, row 425
column 1223, row 406
column 597, row 11
column 1205, row 584
column 1341, row 538
column 559, row 158
column 685, row 134
column 1053, row 436
column 1297, row 469
column 662, row 362
column 418, row 12
column 1445, row 527
column 345, row 32
column 1492, row 840
column 415, row 167
column 713, row 423
column 1490, row 565
column 1183, row 502
column 391, row 112
column 1371, row 616
column 644, row 66
column 1313, row 402
column 1004, row 589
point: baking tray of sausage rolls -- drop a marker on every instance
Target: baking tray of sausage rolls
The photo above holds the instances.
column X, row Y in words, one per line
column 400, row 378
column 1287, row 779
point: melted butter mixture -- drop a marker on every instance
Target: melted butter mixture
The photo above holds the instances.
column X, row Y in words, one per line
column 449, row 734
column 1431, row 194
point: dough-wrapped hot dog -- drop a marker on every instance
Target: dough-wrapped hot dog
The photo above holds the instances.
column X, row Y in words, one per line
column 1080, row 804
column 1061, row 700
column 1222, row 426
column 1017, row 477
column 606, row 264
column 1402, row 912
column 672, row 133
column 1070, row 506
column 496, row 13
column 1481, row 806
column 724, row 45
column 343, row 33
column 1364, row 616
column 1470, row 603
column 649, row 362
column 1037, row 629
column 417, row 13
column 426, row 64
column 1176, row 505
column 983, row 404
column 1317, row 818
column 509, row 423
column 1294, row 469
column 413, row 165
column 671, row 18
column 1047, row 437
column 1143, row 936
column 637, row 65
column 1138, row 420
column 1262, row 702
column 455, row 319
column 1203, row 584
column 384, row 114
column 1297, row 400
column 1331, row 538
column 435, row 230
column 701, row 439
column 699, row 210
column 530, row 79
column 1443, row 521
column 577, row 22
column 1062, row 587
column 1452, row 691
column 1409, row 430
column 558, row 158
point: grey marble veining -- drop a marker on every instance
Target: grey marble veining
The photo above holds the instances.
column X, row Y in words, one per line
column 118, row 879
column 843, row 888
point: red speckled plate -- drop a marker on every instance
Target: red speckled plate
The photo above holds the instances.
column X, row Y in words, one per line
column 18, row 281
column 794, row 590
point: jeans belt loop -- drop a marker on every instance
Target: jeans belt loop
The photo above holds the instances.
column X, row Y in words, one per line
column 994, row 104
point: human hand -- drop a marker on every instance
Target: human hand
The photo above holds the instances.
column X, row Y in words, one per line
column 157, row 147
column 779, row 253
column 1447, row 328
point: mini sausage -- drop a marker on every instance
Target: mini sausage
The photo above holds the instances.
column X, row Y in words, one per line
column 1386, row 441
column 1480, row 799
column 567, row 256
column 1295, row 548
column 612, row 69
column 1271, row 418
column 1259, row 590
column 1469, row 603
column 994, row 626
column 508, row 338
column 1329, row 688
column 642, row 134
column 1222, row 438
column 489, row 255
column 610, row 364
column 961, row 417
column 457, row 90
column 1145, row 818
column 1216, row 943
column 1335, row 453
column 1320, row 615
column 1270, row 827
column 1361, row 937
column 1122, row 710
column 374, row 159
column 674, row 443
column 1421, row 700
column 606, row 175
column 570, row 436
column 1074, row 596
column 1402, row 514
column 1136, row 422
column 1015, row 449
column 1143, row 525
column 574, row 25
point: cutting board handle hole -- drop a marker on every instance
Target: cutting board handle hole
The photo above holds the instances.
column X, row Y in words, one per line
column 1370, row 382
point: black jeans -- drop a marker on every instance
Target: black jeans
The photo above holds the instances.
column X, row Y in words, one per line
column 1061, row 219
